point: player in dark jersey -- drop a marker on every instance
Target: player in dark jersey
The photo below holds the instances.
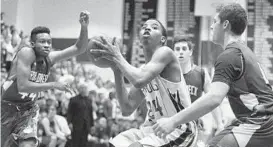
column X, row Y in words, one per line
column 27, row 78
column 198, row 81
column 238, row 75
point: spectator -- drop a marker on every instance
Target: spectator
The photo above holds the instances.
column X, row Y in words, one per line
column 80, row 116
column 53, row 134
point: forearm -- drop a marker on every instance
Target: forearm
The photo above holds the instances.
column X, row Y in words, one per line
column 32, row 87
column 198, row 109
column 133, row 74
column 217, row 115
column 122, row 94
column 82, row 41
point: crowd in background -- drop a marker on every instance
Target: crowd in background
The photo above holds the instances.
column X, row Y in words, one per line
column 55, row 126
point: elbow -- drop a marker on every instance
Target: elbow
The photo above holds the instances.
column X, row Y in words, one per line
column 126, row 113
column 139, row 84
column 21, row 87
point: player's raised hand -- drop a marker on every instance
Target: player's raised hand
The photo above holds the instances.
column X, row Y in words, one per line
column 84, row 18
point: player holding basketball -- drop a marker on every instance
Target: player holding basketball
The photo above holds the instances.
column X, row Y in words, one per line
column 159, row 81
column 27, row 79
column 238, row 75
column 198, row 81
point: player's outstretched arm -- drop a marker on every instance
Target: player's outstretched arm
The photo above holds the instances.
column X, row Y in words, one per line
column 217, row 112
column 25, row 58
column 199, row 108
column 139, row 77
column 79, row 47
column 128, row 101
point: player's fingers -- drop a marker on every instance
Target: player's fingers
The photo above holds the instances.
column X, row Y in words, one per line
column 99, row 52
column 114, row 41
column 105, row 41
column 100, row 45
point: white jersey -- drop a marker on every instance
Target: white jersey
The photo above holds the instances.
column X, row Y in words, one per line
column 163, row 99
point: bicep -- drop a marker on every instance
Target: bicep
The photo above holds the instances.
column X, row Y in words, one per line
column 56, row 56
column 218, row 91
column 159, row 61
column 23, row 67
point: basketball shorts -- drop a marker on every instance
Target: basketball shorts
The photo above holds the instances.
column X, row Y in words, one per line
column 184, row 136
column 18, row 123
column 245, row 135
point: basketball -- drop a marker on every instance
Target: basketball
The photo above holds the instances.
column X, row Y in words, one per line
column 102, row 63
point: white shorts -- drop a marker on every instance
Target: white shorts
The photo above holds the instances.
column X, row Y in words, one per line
column 185, row 136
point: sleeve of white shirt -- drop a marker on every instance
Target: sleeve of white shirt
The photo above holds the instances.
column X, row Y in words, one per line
column 63, row 125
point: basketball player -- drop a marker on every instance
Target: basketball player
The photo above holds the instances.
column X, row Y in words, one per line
column 27, row 79
column 159, row 81
column 238, row 75
column 198, row 81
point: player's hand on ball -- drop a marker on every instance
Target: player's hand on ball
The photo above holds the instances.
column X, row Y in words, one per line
column 163, row 127
column 95, row 55
column 84, row 18
column 108, row 50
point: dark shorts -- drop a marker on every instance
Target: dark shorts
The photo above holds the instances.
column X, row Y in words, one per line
column 18, row 122
column 245, row 135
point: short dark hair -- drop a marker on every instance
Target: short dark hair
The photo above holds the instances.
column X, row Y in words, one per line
column 183, row 39
column 235, row 14
column 37, row 30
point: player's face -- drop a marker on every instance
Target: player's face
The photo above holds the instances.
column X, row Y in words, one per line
column 151, row 32
column 182, row 51
column 217, row 30
column 43, row 44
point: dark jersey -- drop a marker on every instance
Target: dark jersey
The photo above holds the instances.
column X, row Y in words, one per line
column 39, row 74
column 195, row 82
column 239, row 68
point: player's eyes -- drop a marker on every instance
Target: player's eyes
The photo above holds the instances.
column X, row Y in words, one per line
column 155, row 27
column 184, row 48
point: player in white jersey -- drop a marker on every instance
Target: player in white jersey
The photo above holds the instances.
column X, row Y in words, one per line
column 159, row 81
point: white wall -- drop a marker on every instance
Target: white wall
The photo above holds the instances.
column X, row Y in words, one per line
column 61, row 16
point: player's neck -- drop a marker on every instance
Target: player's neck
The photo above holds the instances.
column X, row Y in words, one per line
column 39, row 58
column 231, row 39
column 186, row 67
column 149, row 51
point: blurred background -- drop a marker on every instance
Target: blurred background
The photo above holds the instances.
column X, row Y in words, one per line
column 122, row 19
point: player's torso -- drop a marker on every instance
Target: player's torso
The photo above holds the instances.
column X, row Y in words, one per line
column 195, row 82
column 163, row 99
column 39, row 74
column 251, row 88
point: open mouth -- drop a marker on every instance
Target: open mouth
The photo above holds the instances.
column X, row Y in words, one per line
column 146, row 33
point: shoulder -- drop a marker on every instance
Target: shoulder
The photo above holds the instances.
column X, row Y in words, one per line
column 164, row 52
column 26, row 53
column 197, row 68
column 165, row 49
column 230, row 55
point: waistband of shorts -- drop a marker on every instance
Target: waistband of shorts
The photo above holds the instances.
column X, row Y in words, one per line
column 19, row 106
